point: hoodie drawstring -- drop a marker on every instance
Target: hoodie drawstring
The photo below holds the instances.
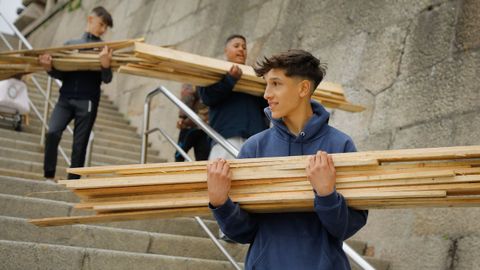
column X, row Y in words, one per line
column 302, row 135
column 289, row 145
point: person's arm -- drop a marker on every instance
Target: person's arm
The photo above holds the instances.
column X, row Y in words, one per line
column 338, row 219
column 216, row 93
column 105, row 59
column 236, row 223
column 45, row 61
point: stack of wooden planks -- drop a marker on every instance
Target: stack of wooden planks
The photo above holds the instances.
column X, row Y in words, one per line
column 170, row 64
column 66, row 58
column 431, row 177
column 137, row 58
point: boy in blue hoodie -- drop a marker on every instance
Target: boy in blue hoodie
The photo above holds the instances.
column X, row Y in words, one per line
column 300, row 127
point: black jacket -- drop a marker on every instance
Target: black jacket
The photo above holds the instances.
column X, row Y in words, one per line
column 232, row 113
column 82, row 84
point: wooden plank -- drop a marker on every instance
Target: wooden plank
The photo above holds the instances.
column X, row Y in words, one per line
column 139, row 215
column 92, row 45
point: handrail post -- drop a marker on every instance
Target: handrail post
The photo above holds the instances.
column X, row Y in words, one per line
column 146, row 125
column 46, row 108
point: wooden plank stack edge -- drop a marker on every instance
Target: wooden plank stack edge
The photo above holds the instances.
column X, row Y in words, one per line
column 430, row 177
column 158, row 62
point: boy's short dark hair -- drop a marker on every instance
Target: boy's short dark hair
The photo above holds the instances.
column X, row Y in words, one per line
column 235, row 36
column 298, row 63
column 104, row 15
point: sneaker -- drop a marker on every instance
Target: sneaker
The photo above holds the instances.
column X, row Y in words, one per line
column 51, row 180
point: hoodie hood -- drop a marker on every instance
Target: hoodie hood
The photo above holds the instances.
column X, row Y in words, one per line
column 315, row 127
column 317, row 134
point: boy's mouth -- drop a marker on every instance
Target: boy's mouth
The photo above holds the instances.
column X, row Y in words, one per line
column 272, row 105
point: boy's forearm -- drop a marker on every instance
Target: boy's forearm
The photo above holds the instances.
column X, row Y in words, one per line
column 214, row 94
column 106, row 75
column 57, row 74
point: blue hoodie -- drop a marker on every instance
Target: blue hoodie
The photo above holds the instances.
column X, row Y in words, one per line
column 310, row 240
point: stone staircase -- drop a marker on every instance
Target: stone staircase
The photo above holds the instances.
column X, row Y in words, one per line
column 148, row 244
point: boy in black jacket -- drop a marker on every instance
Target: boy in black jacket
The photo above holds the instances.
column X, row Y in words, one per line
column 79, row 96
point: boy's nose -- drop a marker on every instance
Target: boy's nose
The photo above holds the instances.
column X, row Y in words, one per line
column 267, row 94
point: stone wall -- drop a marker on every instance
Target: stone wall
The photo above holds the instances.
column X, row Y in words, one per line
column 413, row 64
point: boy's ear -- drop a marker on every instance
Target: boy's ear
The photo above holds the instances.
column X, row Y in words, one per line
column 305, row 88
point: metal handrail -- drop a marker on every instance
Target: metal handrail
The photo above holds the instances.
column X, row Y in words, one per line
column 23, row 40
column 191, row 114
column 143, row 159
column 357, row 259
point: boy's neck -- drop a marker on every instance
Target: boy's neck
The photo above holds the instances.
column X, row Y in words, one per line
column 90, row 33
column 297, row 119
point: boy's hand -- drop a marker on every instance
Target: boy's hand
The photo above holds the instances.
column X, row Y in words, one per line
column 218, row 181
column 235, row 72
column 105, row 57
column 180, row 123
column 46, row 61
column 321, row 173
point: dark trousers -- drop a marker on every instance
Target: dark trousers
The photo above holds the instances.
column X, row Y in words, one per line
column 84, row 112
column 196, row 138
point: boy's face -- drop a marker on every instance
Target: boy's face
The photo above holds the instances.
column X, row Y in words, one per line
column 236, row 51
column 96, row 25
column 284, row 94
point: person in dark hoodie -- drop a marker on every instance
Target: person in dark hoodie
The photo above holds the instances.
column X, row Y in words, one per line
column 236, row 116
column 79, row 96
column 307, row 240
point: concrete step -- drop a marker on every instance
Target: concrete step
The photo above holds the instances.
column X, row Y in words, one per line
column 21, row 174
column 104, row 136
column 97, row 159
column 23, row 207
column 178, row 226
column 36, row 189
column 28, row 166
column 23, row 255
column 98, row 149
column 89, row 236
column 35, row 126
column 67, row 141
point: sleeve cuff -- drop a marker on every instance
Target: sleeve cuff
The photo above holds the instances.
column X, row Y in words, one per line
column 327, row 201
column 224, row 210
column 230, row 80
